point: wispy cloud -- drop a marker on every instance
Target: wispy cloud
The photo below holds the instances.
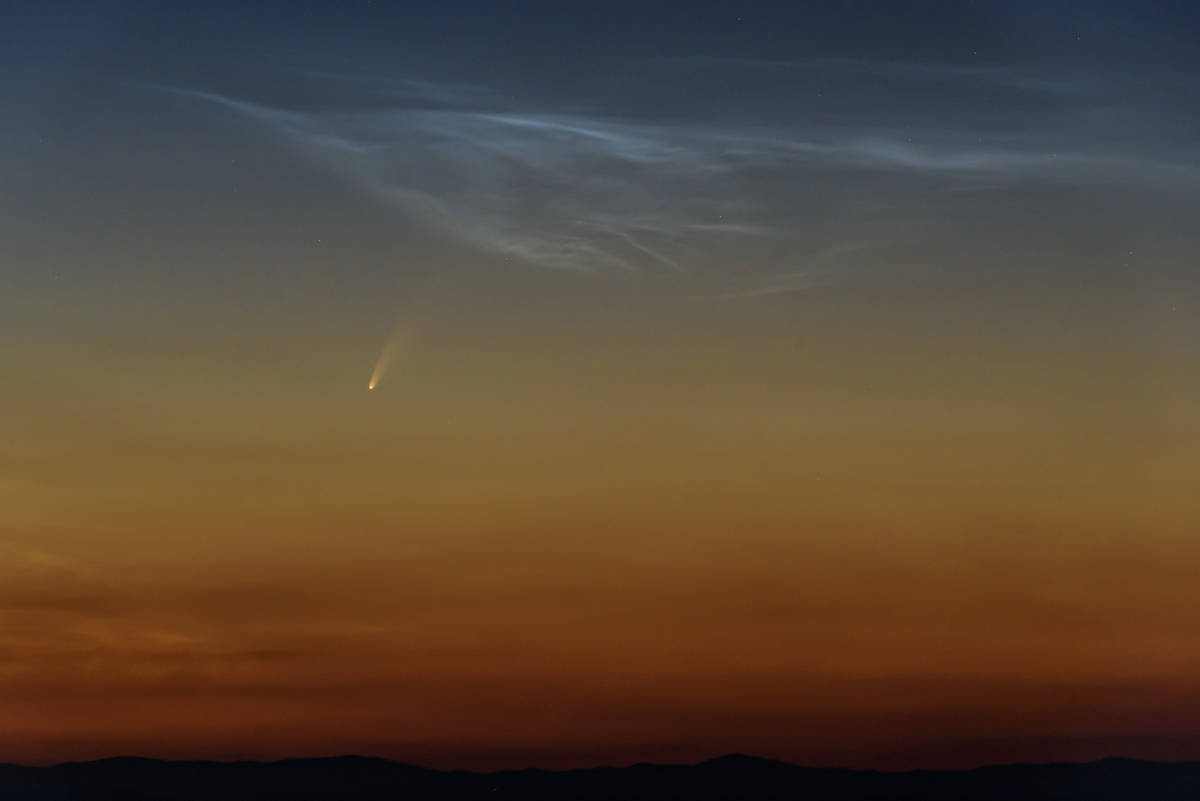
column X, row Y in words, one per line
column 608, row 191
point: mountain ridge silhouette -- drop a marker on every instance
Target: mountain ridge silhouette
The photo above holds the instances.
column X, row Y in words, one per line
column 365, row 778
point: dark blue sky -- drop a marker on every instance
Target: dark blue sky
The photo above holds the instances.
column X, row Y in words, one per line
column 1100, row 32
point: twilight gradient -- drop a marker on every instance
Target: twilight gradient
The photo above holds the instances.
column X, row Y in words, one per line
column 808, row 379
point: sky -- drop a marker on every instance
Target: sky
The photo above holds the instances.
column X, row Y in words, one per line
column 503, row 384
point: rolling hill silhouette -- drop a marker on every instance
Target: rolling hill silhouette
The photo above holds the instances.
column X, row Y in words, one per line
column 734, row 776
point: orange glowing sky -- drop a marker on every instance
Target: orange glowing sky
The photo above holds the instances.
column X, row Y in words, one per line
column 621, row 495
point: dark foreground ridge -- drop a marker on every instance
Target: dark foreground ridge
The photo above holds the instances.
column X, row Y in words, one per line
column 729, row 777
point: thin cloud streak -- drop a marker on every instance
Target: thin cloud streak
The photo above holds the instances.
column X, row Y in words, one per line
column 599, row 192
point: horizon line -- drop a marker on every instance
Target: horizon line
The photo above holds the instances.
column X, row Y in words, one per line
column 727, row 757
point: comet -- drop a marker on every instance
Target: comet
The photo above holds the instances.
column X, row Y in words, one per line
column 415, row 314
column 398, row 344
